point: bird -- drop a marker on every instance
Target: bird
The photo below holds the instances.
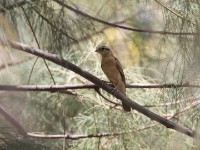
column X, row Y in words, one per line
column 112, row 68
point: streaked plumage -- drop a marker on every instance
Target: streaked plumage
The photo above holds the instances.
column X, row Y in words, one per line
column 113, row 70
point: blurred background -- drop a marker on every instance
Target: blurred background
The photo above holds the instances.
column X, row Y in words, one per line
column 160, row 46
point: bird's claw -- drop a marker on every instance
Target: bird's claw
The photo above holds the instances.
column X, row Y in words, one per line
column 114, row 91
column 103, row 82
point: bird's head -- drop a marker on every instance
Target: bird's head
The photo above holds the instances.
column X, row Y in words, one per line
column 103, row 50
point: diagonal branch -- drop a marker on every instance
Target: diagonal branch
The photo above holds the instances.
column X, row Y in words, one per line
column 53, row 25
column 10, row 119
column 60, row 61
column 120, row 26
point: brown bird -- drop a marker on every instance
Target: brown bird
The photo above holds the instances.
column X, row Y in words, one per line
column 113, row 70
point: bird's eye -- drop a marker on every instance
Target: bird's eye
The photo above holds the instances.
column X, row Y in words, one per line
column 106, row 49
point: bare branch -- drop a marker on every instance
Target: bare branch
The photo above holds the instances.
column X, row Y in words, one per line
column 119, row 26
column 60, row 61
column 54, row 88
column 170, row 85
column 71, row 136
column 82, row 136
column 51, row 88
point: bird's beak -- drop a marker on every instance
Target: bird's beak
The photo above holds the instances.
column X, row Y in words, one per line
column 97, row 50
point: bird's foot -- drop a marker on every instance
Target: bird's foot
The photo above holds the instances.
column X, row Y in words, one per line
column 114, row 91
column 104, row 82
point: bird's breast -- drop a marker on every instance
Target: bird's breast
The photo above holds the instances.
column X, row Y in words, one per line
column 110, row 69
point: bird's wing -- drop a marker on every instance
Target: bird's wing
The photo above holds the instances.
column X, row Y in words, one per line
column 119, row 66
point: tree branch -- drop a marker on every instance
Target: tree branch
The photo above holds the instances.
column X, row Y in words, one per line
column 82, row 136
column 54, row 88
column 60, row 61
column 120, row 26
column 170, row 85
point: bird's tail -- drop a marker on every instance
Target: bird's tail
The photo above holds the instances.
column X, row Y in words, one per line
column 122, row 88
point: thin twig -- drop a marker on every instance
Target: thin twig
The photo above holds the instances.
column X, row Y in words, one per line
column 81, row 136
column 98, row 91
column 35, row 37
column 175, row 13
column 29, row 77
column 54, row 26
column 119, row 26
column 194, row 104
column 170, row 85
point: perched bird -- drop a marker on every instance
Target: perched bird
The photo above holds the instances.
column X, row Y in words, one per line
column 113, row 70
